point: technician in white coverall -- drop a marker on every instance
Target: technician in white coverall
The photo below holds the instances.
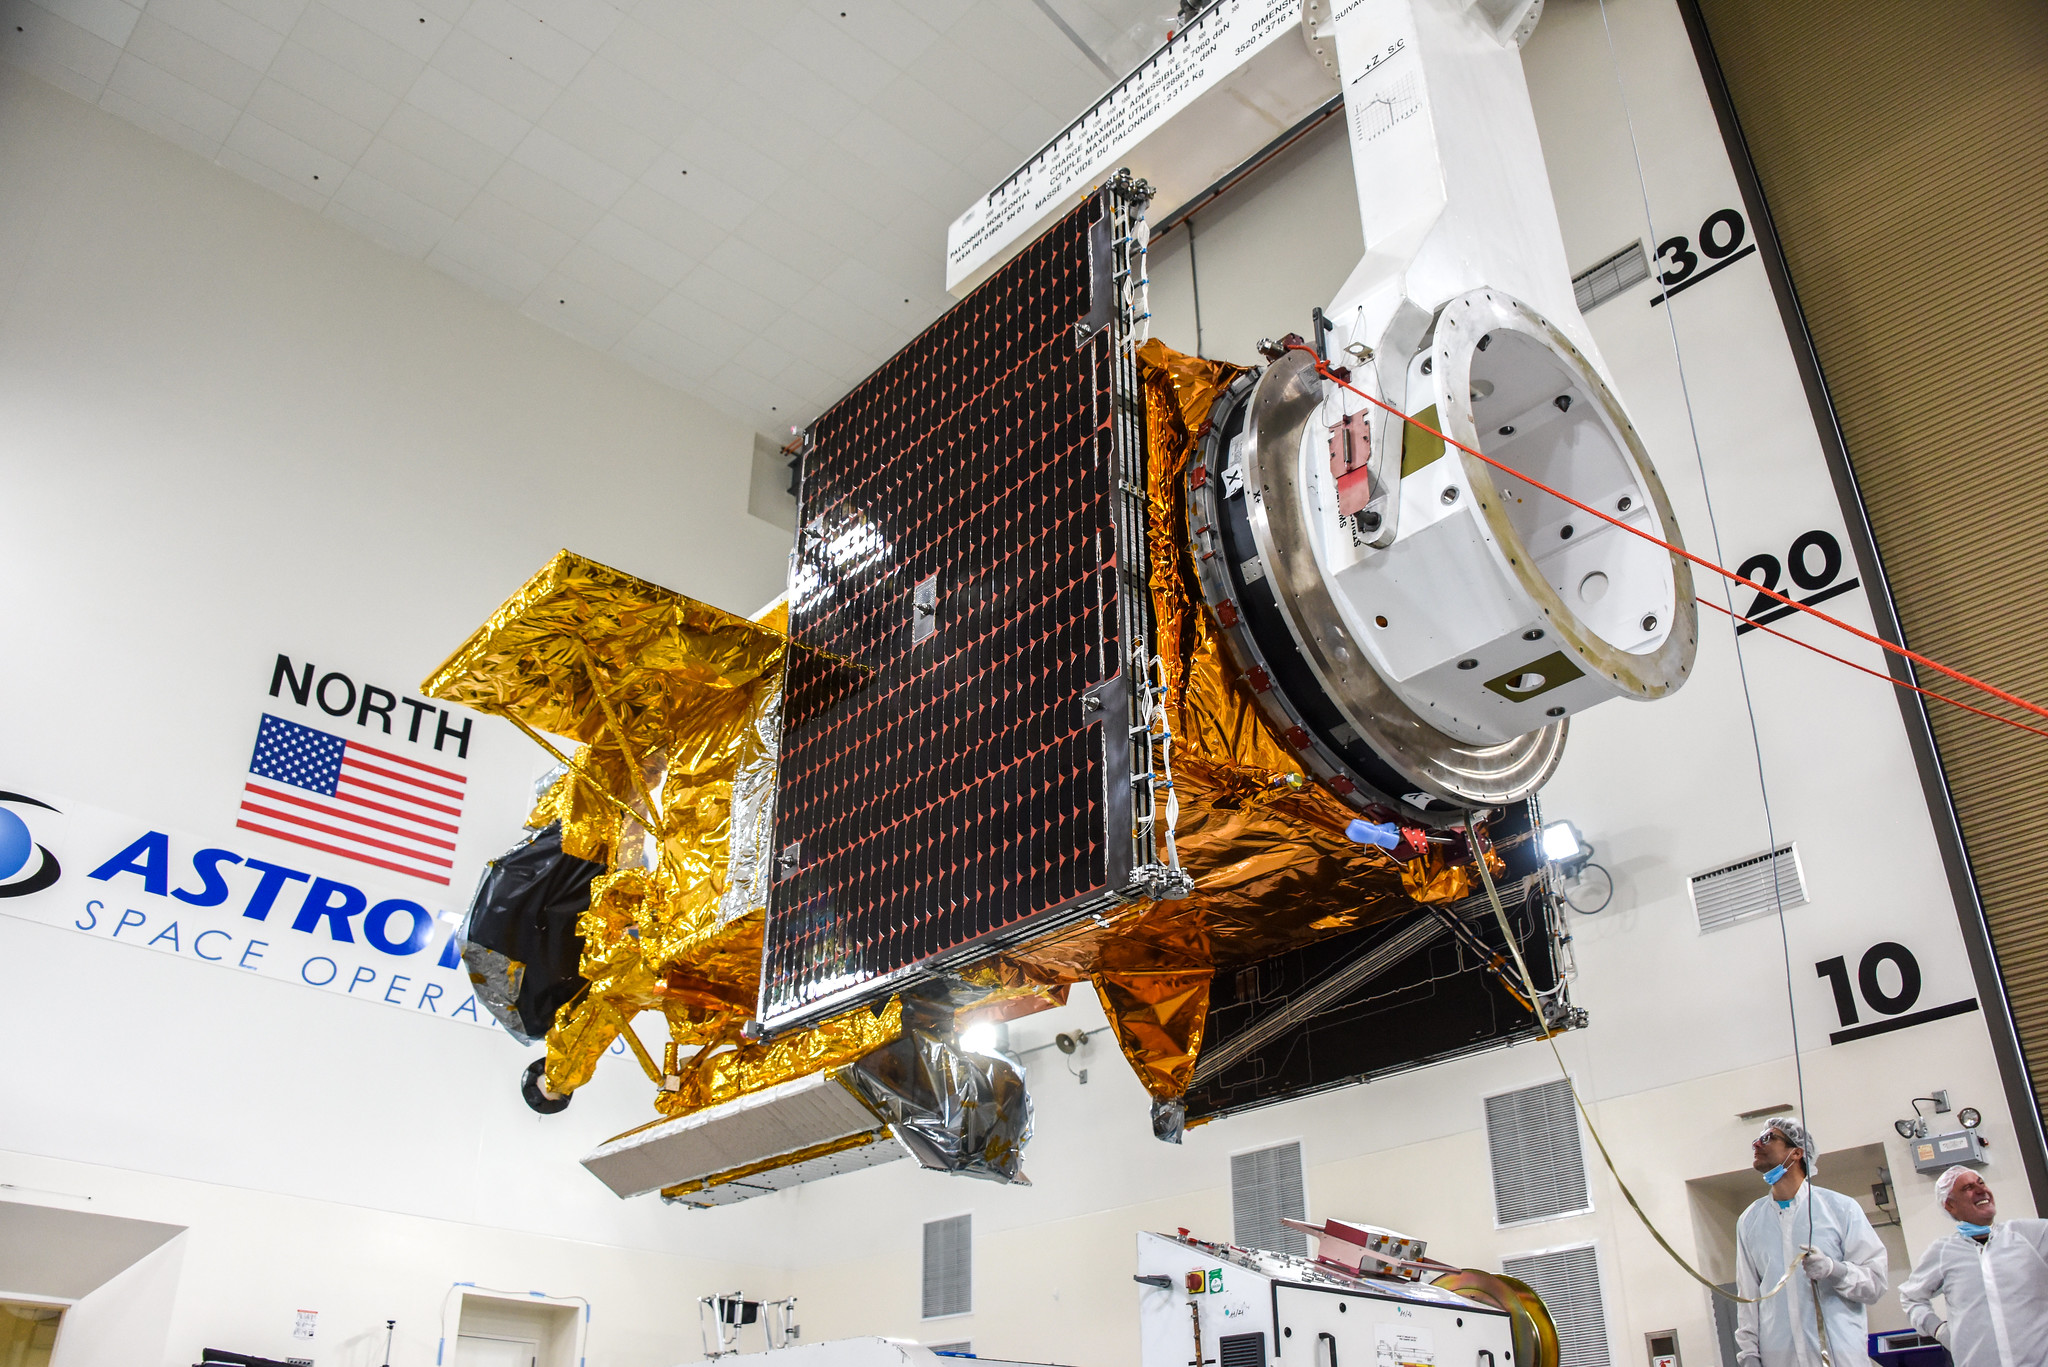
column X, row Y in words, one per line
column 1843, row 1267
column 1993, row 1278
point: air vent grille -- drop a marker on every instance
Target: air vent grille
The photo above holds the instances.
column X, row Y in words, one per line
column 1538, row 1169
column 1614, row 276
column 1241, row 1350
column 1266, row 1185
column 1568, row 1280
column 949, row 1267
column 1743, row 890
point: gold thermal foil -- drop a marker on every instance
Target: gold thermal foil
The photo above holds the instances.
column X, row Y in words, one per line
column 585, row 651
column 720, row 1074
column 670, row 699
column 1158, row 1020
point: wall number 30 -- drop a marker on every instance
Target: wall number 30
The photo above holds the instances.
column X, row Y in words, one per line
column 1720, row 241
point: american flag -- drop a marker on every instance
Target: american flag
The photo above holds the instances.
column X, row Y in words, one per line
column 372, row 806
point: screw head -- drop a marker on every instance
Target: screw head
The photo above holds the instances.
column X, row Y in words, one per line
column 1468, row 664
column 1369, row 520
column 1450, row 495
column 1649, row 621
column 1553, row 712
column 1625, row 504
column 1563, row 402
column 1533, row 634
column 1508, row 431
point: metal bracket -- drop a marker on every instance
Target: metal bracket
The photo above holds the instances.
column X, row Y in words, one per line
column 924, row 609
column 1160, row 883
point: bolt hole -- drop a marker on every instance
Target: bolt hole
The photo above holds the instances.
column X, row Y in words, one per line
column 1468, row 664
column 1533, row 634
column 1649, row 621
column 1450, row 495
column 1553, row 712
column 1427, row 362
column 1379, row 621
column 1563, row 402
column 1564, row 533
column 1625, row 504
column 1508, row 431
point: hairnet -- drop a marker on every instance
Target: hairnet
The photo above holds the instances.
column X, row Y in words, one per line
column 1795, row 1135
column 1946, row 1183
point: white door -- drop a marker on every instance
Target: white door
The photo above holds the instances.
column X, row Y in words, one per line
column 473, row 1350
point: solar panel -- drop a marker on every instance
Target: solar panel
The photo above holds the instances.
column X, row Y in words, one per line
column 957, row 765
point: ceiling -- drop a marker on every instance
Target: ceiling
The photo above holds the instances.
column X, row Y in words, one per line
column 746, row 201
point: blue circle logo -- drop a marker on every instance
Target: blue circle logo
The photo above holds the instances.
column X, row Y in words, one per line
column 18, row 847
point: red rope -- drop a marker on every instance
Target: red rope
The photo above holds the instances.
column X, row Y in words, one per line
column 1324, row 370
column 1925, row 693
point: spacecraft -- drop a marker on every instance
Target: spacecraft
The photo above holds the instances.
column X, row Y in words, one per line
column 1203, row 683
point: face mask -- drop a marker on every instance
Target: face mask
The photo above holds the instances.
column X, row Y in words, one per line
column 1971, row 1231
column 1771, row 1177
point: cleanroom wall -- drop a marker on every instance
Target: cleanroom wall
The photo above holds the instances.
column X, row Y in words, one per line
column 229, row 431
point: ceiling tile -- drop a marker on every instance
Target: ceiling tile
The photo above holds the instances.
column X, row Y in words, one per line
column 109, row 20
column 231, row 31
column 882, row 25
column 667, row 62
column 197, row 64
column 612, row 278
column 405, row 24
column 686, row 230
column 515, row 228
column 156, row 89
column 496, row 75
column 527, row 189
column 467, row 112
column 55, row 49
column 671, row 348
column 280, row 15
column 580, row 311
column 527, row 38
column 326, row 82
column 354, row 48
column 782, row 282
column 709, row 145
column 455, row 152
column 687, row 318
column 796, row 242
column 298, row 191
column 571, row 167
column 407, row 224
column 838, row 57
column 316, row 174
column 641, row 250
column 981, row 90
column 638, row 104
column 414, row 176
column 311, row 122
column 915, row 112
column 588, row 22
column 600, row 134
column 701, row 191
column 743, row 306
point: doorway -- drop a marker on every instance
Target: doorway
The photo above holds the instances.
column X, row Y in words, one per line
column 1718, row 1202
column 27, row 1333
column 488, row 1350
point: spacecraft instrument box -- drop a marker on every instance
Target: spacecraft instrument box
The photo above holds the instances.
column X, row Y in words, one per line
column 1219, row 1305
